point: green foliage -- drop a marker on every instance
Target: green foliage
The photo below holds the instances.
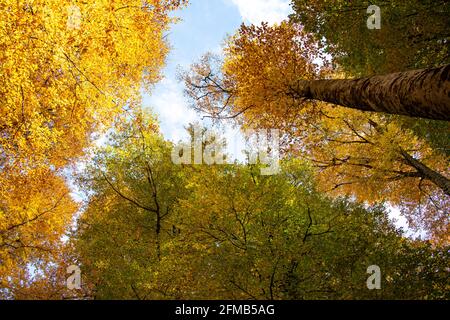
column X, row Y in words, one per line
column 229, row 233
column 413, row 34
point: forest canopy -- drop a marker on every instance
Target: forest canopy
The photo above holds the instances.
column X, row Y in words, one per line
column 88, row 180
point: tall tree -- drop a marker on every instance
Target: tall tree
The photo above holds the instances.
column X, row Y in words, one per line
column 233, row 234
column 255, row 84
column 66, row 71
column 419, row 93
column 133, row 189
column 255, row 53
column 406, row 40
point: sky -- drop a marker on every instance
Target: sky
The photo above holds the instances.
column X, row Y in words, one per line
column 204, row 26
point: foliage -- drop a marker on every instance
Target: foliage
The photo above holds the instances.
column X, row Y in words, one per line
column 66, row 71
column 233, row 234
column 370, row 156
column 147, row 228
column 413, row 34
column 34, row 215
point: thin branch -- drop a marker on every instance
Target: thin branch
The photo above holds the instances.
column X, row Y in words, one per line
column 137, row 204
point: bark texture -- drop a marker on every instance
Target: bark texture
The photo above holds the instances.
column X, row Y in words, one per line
column 418, row 93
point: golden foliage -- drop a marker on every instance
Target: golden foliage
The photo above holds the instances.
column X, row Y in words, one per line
column 67, row 70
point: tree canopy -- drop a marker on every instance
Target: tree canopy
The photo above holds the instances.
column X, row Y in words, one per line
column 91, row 188
column 228, row 233
column 65, row 74
column 375, row 157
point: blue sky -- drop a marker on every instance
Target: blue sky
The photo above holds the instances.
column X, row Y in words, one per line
column 203, row 27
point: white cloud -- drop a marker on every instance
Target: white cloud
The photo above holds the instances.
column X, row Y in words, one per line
column 171, row 107
column 257, row 11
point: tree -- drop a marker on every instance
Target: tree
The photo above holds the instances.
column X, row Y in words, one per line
column 290, row 242
column 377, row 159
column 407, row 40
column 255, row 86
column 133, row 188
column 233, row 234
column 418, row 93
column 61, row 82
column 66, row 72
column 34, row 216
column 255, row 53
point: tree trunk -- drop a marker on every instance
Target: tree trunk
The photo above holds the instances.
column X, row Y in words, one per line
column 158, row 236
column 418, row 93
column 427, row 173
